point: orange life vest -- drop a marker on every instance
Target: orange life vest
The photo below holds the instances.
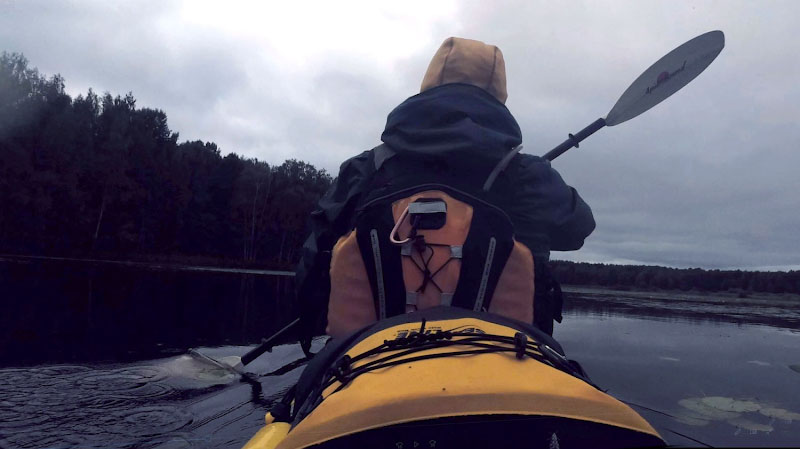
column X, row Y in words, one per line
column 423, row 247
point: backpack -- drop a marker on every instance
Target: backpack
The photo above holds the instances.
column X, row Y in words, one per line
column 417, row 245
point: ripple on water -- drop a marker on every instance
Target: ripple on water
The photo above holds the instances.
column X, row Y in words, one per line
column 104, row 402
column 127, row 384
column 60, row 370
column 177, row 442
column 21, row 421
column 12, row 379
column 14, row 398
column 121, row 379
column 28, row 440
column 151, row 421
column 145, row 391
column 69, row 406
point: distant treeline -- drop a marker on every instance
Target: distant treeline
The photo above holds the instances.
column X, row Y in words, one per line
column 94, row 175
column 653, row 277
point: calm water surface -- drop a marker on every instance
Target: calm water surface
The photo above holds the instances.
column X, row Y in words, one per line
column 671, row 370
column 680, row 369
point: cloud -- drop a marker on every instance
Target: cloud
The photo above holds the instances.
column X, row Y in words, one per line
column 247, row 75
column 707, row 178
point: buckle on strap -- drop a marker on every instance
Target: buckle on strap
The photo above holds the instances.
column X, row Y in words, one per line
column 447, row 299
column 427, row 213
column 457, row 252
column 520, row 344
column 429, row 207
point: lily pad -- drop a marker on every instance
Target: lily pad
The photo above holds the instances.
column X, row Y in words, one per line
column 752, row 426
column 731, row 405
column 705, row 411
column 780, row 413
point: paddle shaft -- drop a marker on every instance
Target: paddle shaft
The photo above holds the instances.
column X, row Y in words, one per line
column 267, row 344
column 574, row 140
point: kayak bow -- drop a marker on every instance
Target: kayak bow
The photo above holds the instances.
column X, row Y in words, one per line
column 449, row 378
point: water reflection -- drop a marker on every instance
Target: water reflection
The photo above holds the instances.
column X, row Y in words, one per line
column 696, row 369
column 67, row 311
column 777, row 312
column 681, row 374
column 56, row 405
column 694, row 383
column 169, row 403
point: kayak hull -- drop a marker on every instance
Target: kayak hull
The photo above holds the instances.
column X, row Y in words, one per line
column 437, row 394
column 269, row 436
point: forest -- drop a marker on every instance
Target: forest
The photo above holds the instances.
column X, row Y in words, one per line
column 646, row 277
column 95, row 176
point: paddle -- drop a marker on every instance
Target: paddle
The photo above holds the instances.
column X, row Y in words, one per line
column 667, row 76
column 235, row 363
column 267, row 344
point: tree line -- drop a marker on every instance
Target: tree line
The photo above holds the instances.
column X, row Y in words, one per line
column 95, row 175
column 663, row 278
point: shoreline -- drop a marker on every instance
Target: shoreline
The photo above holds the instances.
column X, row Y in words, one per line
column 733, row 297
column 710, row 297
column 146, row 265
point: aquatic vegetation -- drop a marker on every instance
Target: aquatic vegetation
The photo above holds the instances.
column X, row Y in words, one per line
column 707, row 411
column 780, row 413
column 752, row 426
column 720, row 408
column 731, row 405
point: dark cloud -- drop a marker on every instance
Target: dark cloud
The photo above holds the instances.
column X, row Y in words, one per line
column 708, row 178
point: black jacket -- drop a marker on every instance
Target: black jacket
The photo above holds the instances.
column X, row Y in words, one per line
column 455, row 132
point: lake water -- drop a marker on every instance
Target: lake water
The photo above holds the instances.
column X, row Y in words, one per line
column 67, row 311
column 698, row 375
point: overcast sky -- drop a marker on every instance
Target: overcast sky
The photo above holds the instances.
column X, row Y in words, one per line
column 708, row 178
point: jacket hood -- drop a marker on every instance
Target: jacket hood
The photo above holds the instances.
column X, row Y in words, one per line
column 468, row 61
column 452, row 121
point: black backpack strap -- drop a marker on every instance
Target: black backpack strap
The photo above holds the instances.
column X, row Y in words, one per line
column 382, row 260
column 500, row 167
column 381, row 154
column 548, row 300
column 485, row 252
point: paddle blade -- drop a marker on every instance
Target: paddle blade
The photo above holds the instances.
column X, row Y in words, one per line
column 667, row 76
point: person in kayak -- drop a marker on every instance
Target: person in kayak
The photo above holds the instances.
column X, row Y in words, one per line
column 454, row 132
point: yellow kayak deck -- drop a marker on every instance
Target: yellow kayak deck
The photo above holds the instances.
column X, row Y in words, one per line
column 426, row 388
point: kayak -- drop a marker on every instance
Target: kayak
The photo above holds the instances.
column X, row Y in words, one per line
column 444, row 378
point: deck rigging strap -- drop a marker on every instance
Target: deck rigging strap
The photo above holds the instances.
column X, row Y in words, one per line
column 522, row 345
